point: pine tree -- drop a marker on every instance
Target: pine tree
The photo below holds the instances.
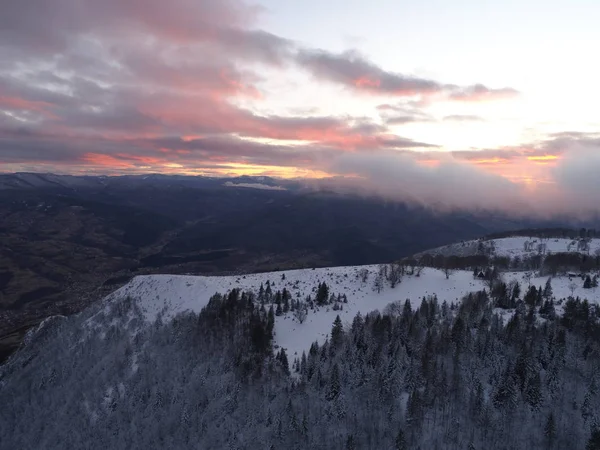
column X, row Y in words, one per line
column 531, row 296
column 533, row 392
column 337, row 333
column 350, row 444
column 284, row 361
column 268, row 291
column 587, row 284
column 550, row 430
column 414, row 408
column 270, row 322
column 547, row 294
column 401, row 441
column 322, row 294
column 334, row 383
column 594, row 441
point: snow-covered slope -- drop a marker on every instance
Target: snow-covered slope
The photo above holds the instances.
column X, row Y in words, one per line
column 172, row 294
column 520, row 246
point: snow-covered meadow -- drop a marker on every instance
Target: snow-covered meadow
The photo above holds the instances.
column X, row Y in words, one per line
column 520, row 246
column 172, row 294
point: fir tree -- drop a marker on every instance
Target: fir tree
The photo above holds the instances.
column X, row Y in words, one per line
column 594, row 441
column 547, row 294
column 550, row 430
column 400, row 443
column 337, row 333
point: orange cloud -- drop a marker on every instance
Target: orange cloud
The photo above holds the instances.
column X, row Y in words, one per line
column 21, row 104
column 99, row 159
column 543, row 158
column 433, row 163
column 488, row 161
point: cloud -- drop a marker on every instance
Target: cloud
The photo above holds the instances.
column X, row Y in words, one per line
column 124, row 86
column 462, row 118
column 480, row 93
column 354, row 71
column 449, row 184
column 401, row 120
column 554, row 177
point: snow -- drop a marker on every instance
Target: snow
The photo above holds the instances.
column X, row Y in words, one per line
column 173, row 294
column 514, row 246
column 521, row 246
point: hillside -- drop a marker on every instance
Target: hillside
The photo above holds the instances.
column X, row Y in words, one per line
column 170, row 294
column 67, row 241
column 420, row 357
column 521, row 246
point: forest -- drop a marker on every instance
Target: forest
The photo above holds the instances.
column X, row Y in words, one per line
column 420, row 375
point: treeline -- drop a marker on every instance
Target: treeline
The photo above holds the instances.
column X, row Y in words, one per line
column 547, row 233
column 424, row 375
column 549, row 264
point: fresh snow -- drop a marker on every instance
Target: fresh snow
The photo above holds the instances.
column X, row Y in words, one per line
column 173, row 294
column 520, row 246
column 515, row 246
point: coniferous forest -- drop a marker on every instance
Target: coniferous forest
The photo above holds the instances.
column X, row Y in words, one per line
column 432, row 376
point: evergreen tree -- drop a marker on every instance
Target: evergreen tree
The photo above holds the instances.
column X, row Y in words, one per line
column 322, row 294
column 547, row 294
column 400, row 443
column 531, row 296
column 270, row 321
column 350, row 444
column 594, row 441
column 587, row 284
column 550, row 430
column 334, row 383
column 337, row 333
column 284, row 361
column 533, row 392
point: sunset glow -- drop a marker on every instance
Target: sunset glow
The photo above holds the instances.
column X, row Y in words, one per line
column 229, row 87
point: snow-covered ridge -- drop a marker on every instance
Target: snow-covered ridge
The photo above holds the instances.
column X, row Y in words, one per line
column 172, row 294
column 520, row 246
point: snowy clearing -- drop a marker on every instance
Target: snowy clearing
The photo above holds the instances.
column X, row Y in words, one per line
column 520, row 246
column 173, row 294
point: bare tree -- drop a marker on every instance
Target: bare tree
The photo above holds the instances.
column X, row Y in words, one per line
column 363, row 274
column 572, row 287
column 378, row 283
column 419, row 267
column 394, row 275
column 300, row 313
column 447, row 269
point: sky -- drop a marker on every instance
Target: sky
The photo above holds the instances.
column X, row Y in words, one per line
column 462, row 103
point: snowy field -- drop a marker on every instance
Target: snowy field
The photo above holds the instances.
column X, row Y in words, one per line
column 520, row 246
column 173, row 294
column 516, row 246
